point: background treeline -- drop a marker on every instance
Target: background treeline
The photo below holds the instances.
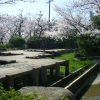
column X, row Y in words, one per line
column 41, row 43
column 88, row 42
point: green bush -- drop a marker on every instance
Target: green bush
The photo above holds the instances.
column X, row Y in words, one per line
column 32, row 42
column 42, row 43
column 8, row 45
column 15, row 95
column 50, row 43
column 89, row 45
column 17, row 42
column 2, row 46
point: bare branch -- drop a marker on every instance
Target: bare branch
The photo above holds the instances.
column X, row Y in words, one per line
column 14, row 1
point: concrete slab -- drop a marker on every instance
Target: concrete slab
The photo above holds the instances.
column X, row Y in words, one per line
column 24, row 64
column 34, row 62
column 26, row 53
column 12, row 71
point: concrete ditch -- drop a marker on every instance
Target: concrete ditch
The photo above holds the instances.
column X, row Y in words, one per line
column 77, row 85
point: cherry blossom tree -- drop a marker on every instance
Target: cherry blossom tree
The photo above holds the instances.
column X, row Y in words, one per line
column 3, row 25
column 87, row 5
column 35, row 25
column 73, row 18
column 10, row 26
column 2, row 2
column 4, row 22
column 77, row 15
column 21, row 25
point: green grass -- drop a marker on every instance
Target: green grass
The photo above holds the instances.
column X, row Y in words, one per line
column 73, row 64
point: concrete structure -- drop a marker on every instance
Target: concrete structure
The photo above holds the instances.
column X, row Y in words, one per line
column 25, row 53
column 37, row 68
column 56, row 52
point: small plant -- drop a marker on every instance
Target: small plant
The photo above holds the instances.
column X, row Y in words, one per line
column 63, row 98
column 42, row 98
column 2, row 46
column 11, row 94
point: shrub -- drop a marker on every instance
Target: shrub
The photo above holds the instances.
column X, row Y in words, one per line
column 2, row 46
column 32, row 42
column 15, row 95
column 17, row 42
column 42, row 43
column 88, row 44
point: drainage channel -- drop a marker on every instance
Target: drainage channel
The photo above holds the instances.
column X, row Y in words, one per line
column 83, row 86
column 63, row 82
column 92, row 90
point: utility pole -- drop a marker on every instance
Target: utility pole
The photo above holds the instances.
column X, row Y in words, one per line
column 49, row 11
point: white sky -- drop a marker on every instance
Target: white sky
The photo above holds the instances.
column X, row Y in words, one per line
column 33, row 8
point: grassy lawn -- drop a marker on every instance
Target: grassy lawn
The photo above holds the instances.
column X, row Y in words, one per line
column 73, row 64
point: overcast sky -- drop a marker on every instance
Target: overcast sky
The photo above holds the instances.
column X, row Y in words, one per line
column 33, row 8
